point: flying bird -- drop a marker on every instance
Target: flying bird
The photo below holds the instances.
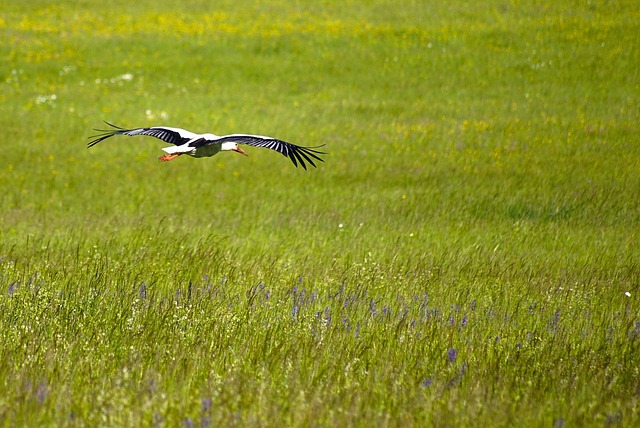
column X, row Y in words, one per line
column 206, row 145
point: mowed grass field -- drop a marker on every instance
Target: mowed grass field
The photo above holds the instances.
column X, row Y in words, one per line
column 467, row 255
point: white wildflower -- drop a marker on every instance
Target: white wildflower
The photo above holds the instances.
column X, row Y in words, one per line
column 46, row 99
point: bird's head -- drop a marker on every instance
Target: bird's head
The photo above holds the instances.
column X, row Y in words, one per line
column 232, row 146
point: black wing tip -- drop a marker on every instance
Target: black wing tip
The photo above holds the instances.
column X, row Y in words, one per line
column 115, row 127
column 98, row 139
column 112, row 125
column 300, row 154
column 104, row 134
column 312, row 149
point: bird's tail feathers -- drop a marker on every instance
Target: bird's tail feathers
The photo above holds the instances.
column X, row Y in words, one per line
column 178, row 149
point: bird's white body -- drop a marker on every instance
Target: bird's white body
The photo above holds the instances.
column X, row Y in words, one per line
column 207, row 145
column 198, row 152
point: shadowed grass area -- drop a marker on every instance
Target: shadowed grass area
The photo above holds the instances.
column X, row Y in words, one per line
column 467, row 254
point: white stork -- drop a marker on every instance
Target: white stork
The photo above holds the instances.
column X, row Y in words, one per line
column 205, row 145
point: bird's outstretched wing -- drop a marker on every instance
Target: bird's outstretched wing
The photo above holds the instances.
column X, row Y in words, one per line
column 297, row 154
column 175, row 136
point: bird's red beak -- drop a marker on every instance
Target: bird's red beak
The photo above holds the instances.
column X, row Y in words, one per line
column 239, row 150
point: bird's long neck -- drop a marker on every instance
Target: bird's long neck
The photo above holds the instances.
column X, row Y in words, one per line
column 228, row 146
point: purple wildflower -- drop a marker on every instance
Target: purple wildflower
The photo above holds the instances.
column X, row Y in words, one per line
column 41, row 392
column 142, row 293
column 458, row 378
column 464, row 321
column 427, row 382
column 552, row 324
column 12, row 288
column 205, row 404
column 424, row 305
column 613, row 418
column 33, row 278
column 452, row 353
column 347, row 323
column 157, row 419
column 294, row 311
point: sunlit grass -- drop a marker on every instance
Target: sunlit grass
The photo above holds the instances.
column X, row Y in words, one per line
column 467, row 254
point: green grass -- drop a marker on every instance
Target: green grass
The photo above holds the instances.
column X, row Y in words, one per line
column 460, row 259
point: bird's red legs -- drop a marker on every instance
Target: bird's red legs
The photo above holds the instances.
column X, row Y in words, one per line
column 168, row 157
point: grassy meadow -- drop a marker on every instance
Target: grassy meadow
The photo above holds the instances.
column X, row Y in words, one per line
column 467, row 255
